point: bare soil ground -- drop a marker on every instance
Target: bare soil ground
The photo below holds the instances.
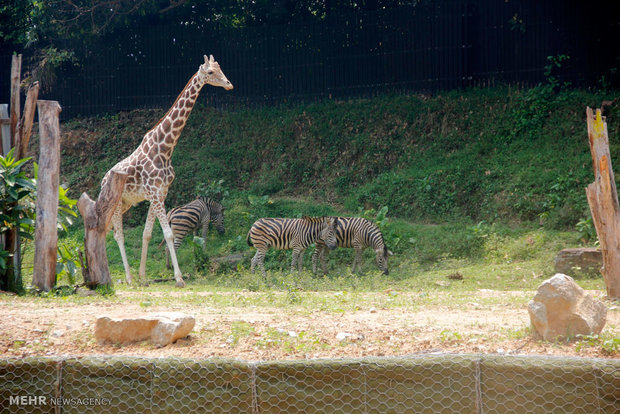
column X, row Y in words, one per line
column 59, row 328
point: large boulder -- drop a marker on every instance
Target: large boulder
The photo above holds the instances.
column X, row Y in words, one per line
column 586, row 261
column 562, row 309
column 161, row 329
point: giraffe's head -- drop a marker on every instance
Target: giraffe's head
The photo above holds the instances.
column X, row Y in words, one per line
column 211, row 73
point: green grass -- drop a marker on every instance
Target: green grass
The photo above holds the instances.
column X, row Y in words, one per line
column 487, row 183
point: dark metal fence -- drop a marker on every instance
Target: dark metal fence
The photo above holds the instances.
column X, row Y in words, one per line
column 434, row 46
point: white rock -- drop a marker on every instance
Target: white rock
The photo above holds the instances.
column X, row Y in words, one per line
column 562, row 309
column 161, row 329
column 341, row 336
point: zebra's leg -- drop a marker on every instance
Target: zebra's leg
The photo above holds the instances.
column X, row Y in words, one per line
column 258, row 260
column 357, row 262
column 323, row 258
column 320, row 255
column 117, row 222
column 315, row 257
column 298, row 258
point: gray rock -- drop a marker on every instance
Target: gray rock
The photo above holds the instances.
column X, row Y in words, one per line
column 161, row 329
column 562, row 309
column 577, row 262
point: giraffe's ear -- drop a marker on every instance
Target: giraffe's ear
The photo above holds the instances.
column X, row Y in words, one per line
column 211, row 60
column 206, row 59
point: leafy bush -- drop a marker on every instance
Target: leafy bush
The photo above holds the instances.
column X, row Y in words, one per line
column 15, row 212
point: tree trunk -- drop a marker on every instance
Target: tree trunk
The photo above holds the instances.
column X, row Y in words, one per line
column 46, row 235
column 603, row 200
column 97, row 217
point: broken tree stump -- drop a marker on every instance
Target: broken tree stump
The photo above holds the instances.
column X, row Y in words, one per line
column 603, row 200
column 46, row 235
column 97, row 217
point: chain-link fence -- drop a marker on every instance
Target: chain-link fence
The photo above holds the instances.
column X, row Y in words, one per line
column 414, row 384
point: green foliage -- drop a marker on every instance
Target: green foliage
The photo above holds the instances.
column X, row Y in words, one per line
column 213, row 189
column 554, row 63
column 201, row 259
column 586, row 231
column 608, row 344
column 68, row 261
column 15, row 188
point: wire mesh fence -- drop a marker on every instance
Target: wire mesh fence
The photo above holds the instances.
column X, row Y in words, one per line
column 443, row 383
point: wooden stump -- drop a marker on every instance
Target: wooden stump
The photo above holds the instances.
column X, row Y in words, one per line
column 46, row 235
column 97, row 217
column 603, row 200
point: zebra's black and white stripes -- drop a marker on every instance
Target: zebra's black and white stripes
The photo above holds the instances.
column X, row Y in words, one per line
column 357, row 233
column 289, row 233
column 191, row 216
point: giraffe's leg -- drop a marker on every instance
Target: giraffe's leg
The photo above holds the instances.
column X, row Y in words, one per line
column 157, row 206
column 117, row 223
column 146, row 238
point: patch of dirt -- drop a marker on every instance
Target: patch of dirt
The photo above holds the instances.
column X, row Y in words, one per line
column 51, row 328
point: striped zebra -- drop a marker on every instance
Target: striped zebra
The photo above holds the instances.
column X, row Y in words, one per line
column 191, row 216
column 357, row 233
column 289, row 233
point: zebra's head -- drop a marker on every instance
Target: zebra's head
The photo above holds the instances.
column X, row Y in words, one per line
column 382, row 259
column 328, row 233
column 217, row 217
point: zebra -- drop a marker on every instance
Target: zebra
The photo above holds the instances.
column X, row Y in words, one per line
column 289, row 233
column 358, row 233
column 187, row 218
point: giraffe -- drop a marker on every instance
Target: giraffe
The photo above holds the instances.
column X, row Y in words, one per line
column 150, row 171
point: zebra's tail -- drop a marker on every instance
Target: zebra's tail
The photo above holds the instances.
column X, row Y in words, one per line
column 162, row 242
column 247, row 239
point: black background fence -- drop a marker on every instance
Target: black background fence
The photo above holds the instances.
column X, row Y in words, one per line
column 434, row 46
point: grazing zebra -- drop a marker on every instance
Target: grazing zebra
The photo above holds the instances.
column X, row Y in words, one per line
column 358, row 233
column 188, row 218
column 289, row 233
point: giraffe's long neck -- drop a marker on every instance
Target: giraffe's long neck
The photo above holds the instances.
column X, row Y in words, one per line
column 164, row 136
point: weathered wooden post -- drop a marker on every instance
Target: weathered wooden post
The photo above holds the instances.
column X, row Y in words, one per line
column 24, row 126
column 97, row 217
column 46, row 235
column 603, row 200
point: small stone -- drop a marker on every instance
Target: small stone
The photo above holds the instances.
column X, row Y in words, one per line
column 341, row 336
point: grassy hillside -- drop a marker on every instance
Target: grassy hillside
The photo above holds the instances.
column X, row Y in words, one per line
column 493, row 174
column 478, row 154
